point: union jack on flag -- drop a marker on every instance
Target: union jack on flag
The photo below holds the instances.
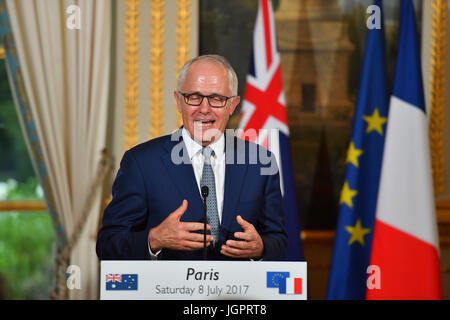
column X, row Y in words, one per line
column 117, row 281
column 264, row 103
column 113, row 277
column 264, row 107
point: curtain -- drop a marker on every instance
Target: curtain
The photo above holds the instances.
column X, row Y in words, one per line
column 60, row 79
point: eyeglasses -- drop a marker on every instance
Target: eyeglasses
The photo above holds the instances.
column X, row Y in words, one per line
column 214, row 100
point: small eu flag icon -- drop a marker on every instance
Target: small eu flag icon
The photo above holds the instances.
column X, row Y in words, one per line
column 117, row 281
column 274, row 278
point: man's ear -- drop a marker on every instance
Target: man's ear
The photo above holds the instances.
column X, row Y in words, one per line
column 236, row 101
column 177, row 100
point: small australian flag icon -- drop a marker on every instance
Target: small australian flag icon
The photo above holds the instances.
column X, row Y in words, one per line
column 117, row 281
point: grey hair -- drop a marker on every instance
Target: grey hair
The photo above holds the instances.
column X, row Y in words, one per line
column 232, row 77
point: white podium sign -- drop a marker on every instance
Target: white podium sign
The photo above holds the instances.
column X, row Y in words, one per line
column 202, row 280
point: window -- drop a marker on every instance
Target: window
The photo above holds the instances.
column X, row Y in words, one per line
column 26, row 233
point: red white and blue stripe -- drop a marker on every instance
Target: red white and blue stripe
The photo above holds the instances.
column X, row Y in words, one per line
column 405, row 242
column 264, row 107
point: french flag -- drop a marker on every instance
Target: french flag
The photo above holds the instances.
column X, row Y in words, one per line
column 264, row 108
column 405, row 242
column 290, row 286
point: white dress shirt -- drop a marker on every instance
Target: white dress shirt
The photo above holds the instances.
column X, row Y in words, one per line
column 194, row 150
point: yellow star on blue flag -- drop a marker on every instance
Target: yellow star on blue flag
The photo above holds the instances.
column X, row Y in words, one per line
column 357, row 232
column 358, row 198
column 375, row 122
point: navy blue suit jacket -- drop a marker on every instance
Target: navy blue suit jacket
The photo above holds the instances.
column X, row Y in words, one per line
column 150, row 185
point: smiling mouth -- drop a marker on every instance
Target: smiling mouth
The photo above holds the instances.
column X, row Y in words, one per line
column 204, row 123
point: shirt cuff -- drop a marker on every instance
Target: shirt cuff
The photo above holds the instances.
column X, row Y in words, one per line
column 257, row 260
column 153, row 256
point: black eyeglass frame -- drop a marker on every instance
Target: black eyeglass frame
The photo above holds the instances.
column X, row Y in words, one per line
column 187, row 94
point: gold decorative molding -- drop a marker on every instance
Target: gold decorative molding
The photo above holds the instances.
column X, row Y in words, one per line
column 443, row 218
column 31, row 206
column 326, row 237
column 131, row 73
column 157, row 26
column 443, row 212
column 437, row 88
column 183, row 38
column 317, row 235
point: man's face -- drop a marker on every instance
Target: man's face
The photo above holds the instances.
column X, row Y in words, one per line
column 205, row 123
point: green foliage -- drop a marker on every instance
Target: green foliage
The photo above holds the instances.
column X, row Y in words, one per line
column 5, row 93
column 14, row 158
column 26, row 255
column 26, row 239
column 26, row 242
column 28, row 190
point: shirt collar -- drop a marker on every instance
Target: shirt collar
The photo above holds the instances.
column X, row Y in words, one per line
column 193, row 147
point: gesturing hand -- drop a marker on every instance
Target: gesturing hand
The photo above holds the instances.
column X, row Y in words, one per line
column 251, row 247
column 176, row 235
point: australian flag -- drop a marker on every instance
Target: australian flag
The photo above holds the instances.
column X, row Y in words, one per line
column 264, row 108
column 118, row 281
column 358, row 199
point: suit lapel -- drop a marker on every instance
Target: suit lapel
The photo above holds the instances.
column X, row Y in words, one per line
column 180, row 170
column 234, row 176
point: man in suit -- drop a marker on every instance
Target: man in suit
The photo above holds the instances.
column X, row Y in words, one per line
column 157, row 206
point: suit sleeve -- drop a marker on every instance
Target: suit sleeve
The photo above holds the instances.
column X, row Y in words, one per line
column 271, row 225
column 124, row 232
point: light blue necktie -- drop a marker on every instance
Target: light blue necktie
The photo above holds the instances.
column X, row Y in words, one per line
column 211, row 201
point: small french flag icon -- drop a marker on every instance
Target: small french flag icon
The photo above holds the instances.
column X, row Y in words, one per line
column 291, row 286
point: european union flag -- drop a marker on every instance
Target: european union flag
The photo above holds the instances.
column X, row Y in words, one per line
column 358, row 199
column 274, row 279
column 121, row 281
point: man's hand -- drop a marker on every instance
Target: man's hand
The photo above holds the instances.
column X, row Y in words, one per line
column 176, row 235
column 251, row 247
